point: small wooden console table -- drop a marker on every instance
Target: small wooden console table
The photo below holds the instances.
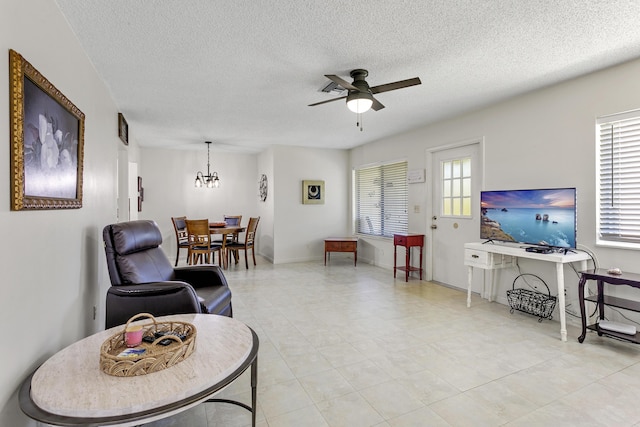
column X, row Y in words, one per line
column 408, row 241
column 602, row 276
column 341, row 244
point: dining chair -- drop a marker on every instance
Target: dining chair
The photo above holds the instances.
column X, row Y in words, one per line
column 182, row 239
column 249, row 241
column 234, row 221
column 231, row 221
column 200, row 245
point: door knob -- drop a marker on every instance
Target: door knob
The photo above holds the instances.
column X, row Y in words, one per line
column 433, row 226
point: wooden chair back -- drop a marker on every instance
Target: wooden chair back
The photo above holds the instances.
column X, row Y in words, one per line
column 200, row 246
column 249, row 240
column 182, row 238
column 250, row 235
column 233, row 220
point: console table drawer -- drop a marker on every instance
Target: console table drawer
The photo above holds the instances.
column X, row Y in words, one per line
column 332, row 246
column 340, row 246
column 348, row 246
column 486, row 260
column 399, row 240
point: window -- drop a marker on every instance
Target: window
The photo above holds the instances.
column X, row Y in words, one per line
column 456, row 188
column 619, row 177
column 382, row 194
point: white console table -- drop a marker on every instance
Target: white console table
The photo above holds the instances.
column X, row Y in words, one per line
column 491, row 256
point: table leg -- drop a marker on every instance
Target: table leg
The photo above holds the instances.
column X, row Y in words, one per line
column 355, row 257
column 561, row 301
column 254, row 392
column 469, row 281
column 420, row 262
column 325, row 256
column 407, row 263
column 395, row 259
column 223, row 252
column 583, row 314
column 492, row 279
column 601, row 299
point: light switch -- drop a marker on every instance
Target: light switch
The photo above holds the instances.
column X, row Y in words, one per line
column 416, row 208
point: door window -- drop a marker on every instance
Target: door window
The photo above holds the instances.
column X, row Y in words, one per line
column 456, row 187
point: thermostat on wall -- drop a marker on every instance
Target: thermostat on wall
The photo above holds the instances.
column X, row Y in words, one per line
column 414, row 176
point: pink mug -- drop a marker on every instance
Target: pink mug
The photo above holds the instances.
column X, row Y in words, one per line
column 133, row 335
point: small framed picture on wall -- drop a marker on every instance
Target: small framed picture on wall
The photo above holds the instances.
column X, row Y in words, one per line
column 312, row 192
column 123, row 129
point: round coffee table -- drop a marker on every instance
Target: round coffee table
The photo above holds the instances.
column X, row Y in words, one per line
column 70, row 388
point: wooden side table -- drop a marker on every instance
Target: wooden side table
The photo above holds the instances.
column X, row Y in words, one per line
column 408, row 241
column 602, row 276
column 341, row 244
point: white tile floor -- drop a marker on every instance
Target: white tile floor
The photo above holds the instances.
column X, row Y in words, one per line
column 345, row 346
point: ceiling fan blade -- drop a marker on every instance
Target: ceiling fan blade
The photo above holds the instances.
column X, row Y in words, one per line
column 328, row 100
column 396, row 85
column 376, row 105
column 345, row 84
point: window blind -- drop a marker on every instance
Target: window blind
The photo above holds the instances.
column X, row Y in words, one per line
column 382, row 195
column 619, row 177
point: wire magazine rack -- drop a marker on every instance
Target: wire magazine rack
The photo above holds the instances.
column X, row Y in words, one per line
column 531, row 301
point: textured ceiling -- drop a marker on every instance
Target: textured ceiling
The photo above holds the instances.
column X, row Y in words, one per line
column 241, row 73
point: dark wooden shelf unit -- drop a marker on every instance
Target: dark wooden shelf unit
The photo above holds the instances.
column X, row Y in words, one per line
column 624, row 337
column 601, row 276
column 616, row 302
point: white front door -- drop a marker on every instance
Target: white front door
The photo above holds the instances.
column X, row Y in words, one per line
column 456, row 175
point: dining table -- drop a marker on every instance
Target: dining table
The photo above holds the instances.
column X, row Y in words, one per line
column 225, row 230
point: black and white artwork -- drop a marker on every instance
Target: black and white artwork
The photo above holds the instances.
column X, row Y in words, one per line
column 47, row 141
column 312, row 192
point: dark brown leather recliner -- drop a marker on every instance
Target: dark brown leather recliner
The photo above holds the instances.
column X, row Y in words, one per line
column 144, row 281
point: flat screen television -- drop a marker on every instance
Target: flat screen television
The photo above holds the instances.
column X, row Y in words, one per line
column 542, row 217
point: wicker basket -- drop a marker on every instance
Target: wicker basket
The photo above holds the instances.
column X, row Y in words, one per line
column 531, row 301
column 156, row 356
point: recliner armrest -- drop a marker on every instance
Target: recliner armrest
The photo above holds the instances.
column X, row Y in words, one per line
column 200, row 276
column 150, row 289
column 156, row 298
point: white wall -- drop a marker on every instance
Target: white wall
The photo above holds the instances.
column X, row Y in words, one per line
column 300, row 230
column 540, row 140
column 288, row 230
column 265, row 241
column 168, row 178
column 52, row 263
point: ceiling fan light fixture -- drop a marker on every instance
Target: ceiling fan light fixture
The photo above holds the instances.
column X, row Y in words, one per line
column 359, row 102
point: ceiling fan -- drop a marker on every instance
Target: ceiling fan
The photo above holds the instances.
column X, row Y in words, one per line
column 360, row 97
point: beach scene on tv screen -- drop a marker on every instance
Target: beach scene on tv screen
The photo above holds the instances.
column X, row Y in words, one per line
column 537, row 217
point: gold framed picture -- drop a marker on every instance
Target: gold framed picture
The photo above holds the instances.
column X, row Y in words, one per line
column 47, row 141
column 313, row 192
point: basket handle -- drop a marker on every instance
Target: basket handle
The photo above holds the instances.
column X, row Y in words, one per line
column 140, row 316
column 513, row 286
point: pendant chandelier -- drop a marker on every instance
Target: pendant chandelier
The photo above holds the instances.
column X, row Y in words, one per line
column 210, row 180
